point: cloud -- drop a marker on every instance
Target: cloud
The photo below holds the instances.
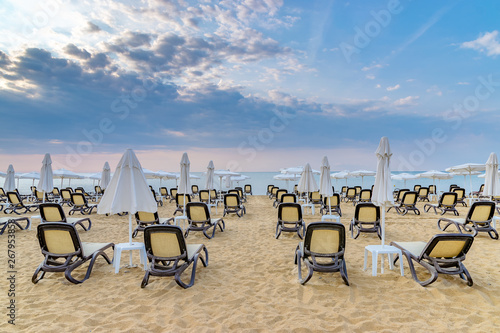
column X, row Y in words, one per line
column 91, row 27
column 370, row 77
column 435, row 91
column 406, row 101
column 71, row 49
column 396, row 87
column 486, row 43
column 367, row 68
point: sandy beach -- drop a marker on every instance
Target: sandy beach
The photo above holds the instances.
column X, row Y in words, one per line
column 251, row 285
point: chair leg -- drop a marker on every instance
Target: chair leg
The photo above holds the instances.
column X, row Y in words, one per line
column 145, row 280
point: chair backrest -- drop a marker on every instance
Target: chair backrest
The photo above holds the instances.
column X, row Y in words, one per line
column 233, row 191
column 432, row 189
column 163, row 191
column 460, row 192
column 358, row 189
column 401, row 192
column 452, row 186
column 14, row 198
column 269, row 188
column 70, row 189
column 296, row 188
column 231, row 200
column 2, row 192
column 51, row 212
column 367, row 212
column 290, row 212
column 33, row 189
column 481, row 211
column 40, row 195
column 181, row 199
column 165, row 241
column 248, row 188
column 146, row 216
column 213, row 194
column 423, row 191
column 416, row 188
column 78, row 199
column 447, row 246
column 274, row 190
column 315, row 195
column 173, row 192
column 448, row 199
column 79, row 190
column 343, row 190
column 194, row 189
column 240, row 191
column 365, row 194
column 324, row 238
column 204, row 196
column 288, row 197
column 351, row 192
column 98, row 189
column 334, row 200
column 55, row 191
column 481, row 188
column 66, row 194
column 279, row 194
column 59, row 238
column 197, row 211
column 409, row 198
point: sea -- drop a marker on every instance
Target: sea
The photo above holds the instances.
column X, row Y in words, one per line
column 260, row 180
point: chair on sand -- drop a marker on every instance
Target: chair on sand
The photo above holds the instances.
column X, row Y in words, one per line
column 17, row 204
column 145, row 219
column 53, row 212
column 80, row 204
column 366, row 219
column 322, row 250
column 232, row 204
column 443, row 254
column 199, row 219
column 290, row 219
column 169, row 254
column 479, row 219
column 447, row 203
column 408, row 202
column 5, row 221
column 334, row 202
column 180, row 201
column 248, row 189
column 64, row 252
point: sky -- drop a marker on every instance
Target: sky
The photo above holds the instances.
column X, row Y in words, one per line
column 254, row 85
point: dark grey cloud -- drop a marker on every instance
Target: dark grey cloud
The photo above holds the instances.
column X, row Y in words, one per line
column 73, row 50
column 91, row 27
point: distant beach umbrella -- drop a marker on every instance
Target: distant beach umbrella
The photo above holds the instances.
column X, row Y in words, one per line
column 404, row 177
column 467, row 169
column 10, row 179
column 28, row 175
column 46, row 182
column 325, row 182
column 341, row 175
column 491, row 180
column 307, row 183
column 105, row 176
column 209, row 180
column 66, row 174
column 382, row 190
column 362, row 174
column 287, row 178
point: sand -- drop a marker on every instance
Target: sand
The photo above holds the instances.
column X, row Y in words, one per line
column 251, row 285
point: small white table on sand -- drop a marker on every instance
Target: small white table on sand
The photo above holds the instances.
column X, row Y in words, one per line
column 129, row 246
column 383, row 249
column 307, row 205
column 178, row 223
column 331, row 217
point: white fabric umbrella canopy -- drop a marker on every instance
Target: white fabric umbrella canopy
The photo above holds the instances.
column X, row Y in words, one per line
column 404, row 177
column 325, row 182
column 435, row 174
column 362, row 174
column 2, row 174
column 29, row 175
column 66, row 174
column 127, row 191
column 149, row 174
column 46, row 182
column 209, row 180
column 10, row 181
column 341, row 175
column 382, row 190
column 491, row 181
column 222, row 173
column 307, row 183
column 287, row 178
column 105, row 176
column 467, row 169
column 297, row 170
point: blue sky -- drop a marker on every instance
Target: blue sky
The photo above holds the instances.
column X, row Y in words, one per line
column 255, row 85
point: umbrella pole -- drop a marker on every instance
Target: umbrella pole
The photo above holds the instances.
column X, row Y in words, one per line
column 329, row 206
column 130, row 234
column 383, row 225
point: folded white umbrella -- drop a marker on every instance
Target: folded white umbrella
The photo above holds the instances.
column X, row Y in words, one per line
column 307, row 183
column 10, row 181
column 185, row 182
column 46, row 182
column 209, row 180
column 325, row 182
column 491, row 180
column 105, row 176
column 127, row 191
column 382, row 190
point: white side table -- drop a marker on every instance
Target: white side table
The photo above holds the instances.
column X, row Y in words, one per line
column 177, row 221
column 494, row 222
column 129, row 246
column 210, row 208
column 331, row 217
column 383, row 249
column 308, row 205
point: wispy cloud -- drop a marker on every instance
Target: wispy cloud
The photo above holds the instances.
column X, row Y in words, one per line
column 406, row 101
column 396, row 87
column 486, row 43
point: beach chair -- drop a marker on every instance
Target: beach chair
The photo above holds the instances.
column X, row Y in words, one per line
column 279, row 194
column 159, row 201
column 315, row 198
column 273, row 192
column 296, row 189
column 199, row 219
column 145, row 219
column 64, row 252
column 213, row 197
column 40, row 197
column 164, row 193
column 452, row 186
column 322, row 250
column 399, row 197
column 98, row 192
column 288, row 197
column 478, row 193
column 195, row 190
column 290, row 219
column 366, row 219
column 85, row 193
column 447, row 203
column 180, row 201
column 80, row 204
column 334, row 204
column 242, row 195
column 6, row 221
column 460, row 195
column 432, row 189
column 443, row 254
column 169, row 255
column 478, row 219
column 53, row 212
column 408, row 202
column 173, row 194
column 416, row 188
column 423, row 194
column 16, row 204
column 65, row 197
column 350, row 194
column 269, row 188
column 343, row 192
column 248, row 189
column 364, row 196
column 232, row 204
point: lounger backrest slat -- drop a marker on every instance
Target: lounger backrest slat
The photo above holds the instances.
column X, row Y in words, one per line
column 146, row 216
column 51, row 213
column 290, row 214
column 448, row 249
column 325, row 241
column 367, row 214
column 165, row 244
column 59, row 241
column 482, row 212
column 197, row 213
